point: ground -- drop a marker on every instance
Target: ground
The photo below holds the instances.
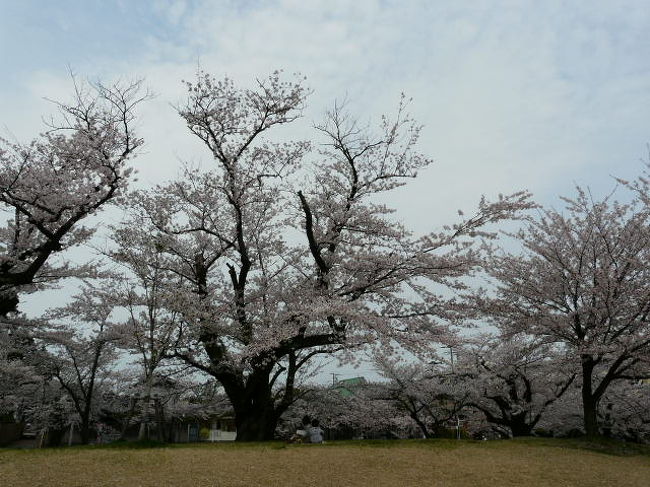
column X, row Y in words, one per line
column 530, row 462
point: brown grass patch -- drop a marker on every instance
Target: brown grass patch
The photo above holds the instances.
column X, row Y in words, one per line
column 433, row 463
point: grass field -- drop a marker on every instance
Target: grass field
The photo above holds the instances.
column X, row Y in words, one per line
column 529, row 462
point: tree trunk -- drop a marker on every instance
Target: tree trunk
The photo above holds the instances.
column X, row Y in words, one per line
column 519, row 426
column 421, row 425
column 84, row 432
column 589, row 401
column 84, row 429
column 590, row 410
column 8, row 302
column 160, row 420
column 85, row 435
column 54, row 437
column 256, row 411
column 127, row 420
column 256, row 421
column 146, row 410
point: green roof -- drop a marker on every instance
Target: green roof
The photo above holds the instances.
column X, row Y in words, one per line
column 346, row 387
column 353, row 382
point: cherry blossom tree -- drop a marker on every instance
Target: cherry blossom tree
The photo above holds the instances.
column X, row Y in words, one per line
column 280, row 251
column 432, row 396
column 19, row 382
column 50, row 415
column 563, row 418
column 47, row 187
column 363, row 412
column 582, row 281
column 514, row 380
column 625, row 414
column 152, row 329
column 79, row 350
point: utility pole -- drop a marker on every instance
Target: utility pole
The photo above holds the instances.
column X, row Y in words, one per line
column 335, row 378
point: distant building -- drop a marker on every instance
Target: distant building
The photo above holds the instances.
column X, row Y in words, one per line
column 212, row 428
column 347, row 387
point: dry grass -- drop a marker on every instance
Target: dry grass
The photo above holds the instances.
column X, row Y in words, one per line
column 432, row 463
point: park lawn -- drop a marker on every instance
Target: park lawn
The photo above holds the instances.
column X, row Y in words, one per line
column 530, row 462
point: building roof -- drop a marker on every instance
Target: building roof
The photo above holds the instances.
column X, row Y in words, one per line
column 346, row 387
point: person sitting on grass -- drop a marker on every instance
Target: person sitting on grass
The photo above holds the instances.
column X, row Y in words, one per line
column 302, row 434
column 315, row 432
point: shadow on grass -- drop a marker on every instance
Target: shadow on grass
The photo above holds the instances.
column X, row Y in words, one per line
column 599, row 445
column 607, row 446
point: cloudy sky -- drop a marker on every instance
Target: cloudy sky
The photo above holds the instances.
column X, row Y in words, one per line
column 512, row 94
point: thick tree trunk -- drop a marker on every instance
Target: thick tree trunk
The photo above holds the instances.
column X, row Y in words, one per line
column 256, row 420
column 519, row 426
column 589, row 401
column 84, row 429
column 255, row 428
column 590, row 411
column 256, row 410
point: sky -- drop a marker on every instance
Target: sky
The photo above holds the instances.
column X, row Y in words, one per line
column 512, row 94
